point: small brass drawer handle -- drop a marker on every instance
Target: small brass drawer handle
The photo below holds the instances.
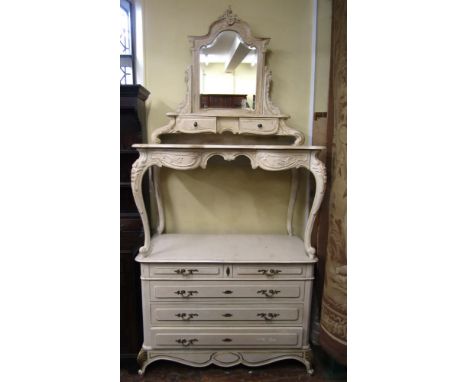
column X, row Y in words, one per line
column 195, row 124
column 268, row 316
column 228, row 292
column 184, row 293
column 268, row 293
column 227, row 315
column 185, row 272
column 185, row 316
column 227, row 340
column 259, row 125
column 269, row 272
column 186, row 342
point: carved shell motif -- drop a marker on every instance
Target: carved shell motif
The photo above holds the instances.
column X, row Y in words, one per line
column 176, row 160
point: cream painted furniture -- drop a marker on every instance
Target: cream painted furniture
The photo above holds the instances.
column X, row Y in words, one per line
column 226, row 299
column 265, row 119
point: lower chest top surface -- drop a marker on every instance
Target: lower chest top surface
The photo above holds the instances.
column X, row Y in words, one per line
column 229, row 248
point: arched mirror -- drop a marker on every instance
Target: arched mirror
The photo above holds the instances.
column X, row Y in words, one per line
column 227, row 69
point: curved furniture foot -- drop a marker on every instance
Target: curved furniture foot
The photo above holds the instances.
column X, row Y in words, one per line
column 142, row 359
column 224, row 357
column 308, row 361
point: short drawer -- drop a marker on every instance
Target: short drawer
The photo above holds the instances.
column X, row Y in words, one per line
column 161, row 290
column 201, row 124
column 258, row 126
column 256, row 314
column 271, row 271
column 185, row 271
column 200, row 337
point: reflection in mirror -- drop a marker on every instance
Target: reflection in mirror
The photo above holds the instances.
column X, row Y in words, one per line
column 228, row 73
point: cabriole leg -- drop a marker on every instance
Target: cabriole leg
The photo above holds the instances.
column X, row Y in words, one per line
column 318, row 170
column 138, row 170
column 141, row 360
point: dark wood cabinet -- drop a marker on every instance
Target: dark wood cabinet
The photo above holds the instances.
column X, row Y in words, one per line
column 132, row 130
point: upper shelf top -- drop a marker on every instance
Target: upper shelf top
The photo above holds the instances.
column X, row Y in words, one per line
column 223, row 147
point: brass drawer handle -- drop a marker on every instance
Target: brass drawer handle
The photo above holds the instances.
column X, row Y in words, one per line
column 184, row 293
column 268, row 293
column 185, row 272
column 269, row 272
column 227, row 340
column 227, row 292
column 268, row 316
column 186, row 342
column 227, row 315
column 185, row 316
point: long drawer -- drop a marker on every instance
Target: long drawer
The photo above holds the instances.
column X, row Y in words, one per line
column 271, row 271
column 186, row 271
column 216, row 314
column 201, row 337
column 193, row 290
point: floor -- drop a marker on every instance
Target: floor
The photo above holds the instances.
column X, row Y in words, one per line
column 326, row 370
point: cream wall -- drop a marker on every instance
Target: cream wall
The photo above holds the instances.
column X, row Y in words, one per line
column 228, row 197
column 322, row 63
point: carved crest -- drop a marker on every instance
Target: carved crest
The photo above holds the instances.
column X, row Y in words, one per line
column 229, row 17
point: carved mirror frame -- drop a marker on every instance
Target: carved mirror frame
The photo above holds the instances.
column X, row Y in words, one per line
column 228, row 22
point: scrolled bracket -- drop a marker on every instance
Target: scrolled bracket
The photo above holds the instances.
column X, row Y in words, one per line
column 268, row 106
column 185, row 106
column 163, row 130
column 285, row 130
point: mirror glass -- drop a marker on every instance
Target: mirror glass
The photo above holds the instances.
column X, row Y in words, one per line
column 228, row 73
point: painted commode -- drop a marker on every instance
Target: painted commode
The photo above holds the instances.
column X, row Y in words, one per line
column 234, row 298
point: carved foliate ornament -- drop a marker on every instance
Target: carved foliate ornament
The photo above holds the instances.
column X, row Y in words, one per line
column 229, row 17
